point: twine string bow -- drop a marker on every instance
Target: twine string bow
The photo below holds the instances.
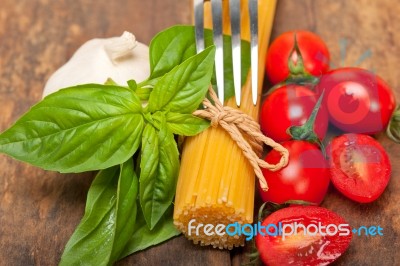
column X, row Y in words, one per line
column 245, row 132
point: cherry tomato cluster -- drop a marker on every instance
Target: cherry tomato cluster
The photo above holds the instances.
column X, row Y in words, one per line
column 305, row 98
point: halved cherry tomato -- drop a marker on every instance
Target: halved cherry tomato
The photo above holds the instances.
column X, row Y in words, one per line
column 306, row 177
column 314, row 52
column 358, row 101
column 290, row 105
column 360, row 167
column 321, row 237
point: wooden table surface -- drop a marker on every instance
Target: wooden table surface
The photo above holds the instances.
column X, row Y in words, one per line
column 39, row 210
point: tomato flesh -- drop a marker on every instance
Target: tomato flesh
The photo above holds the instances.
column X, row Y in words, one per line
column 360, row 167
column 290, row 105
column 304, row 247
column 357, row 100
column 306, row 177
column 314, row 52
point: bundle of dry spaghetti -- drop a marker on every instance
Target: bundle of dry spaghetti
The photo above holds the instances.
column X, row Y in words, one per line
column 216, row 182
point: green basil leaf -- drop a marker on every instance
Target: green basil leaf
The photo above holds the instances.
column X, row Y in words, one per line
column 90, row 241
column 159, row 172
column 184, row 87
column 150, row 153
column 109, row 218
column 170, row 48
column 132, row 84
column 157, row 119
column 186, row 124
column 174, row 45
column 77, row 129
column 143, row 93
column 128, row 189
column 143, row 237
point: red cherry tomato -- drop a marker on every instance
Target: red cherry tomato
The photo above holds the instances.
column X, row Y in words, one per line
column 290, row 105
column 314, row 52
column 321, row 237
column 306, row 177
column 360, row 167
column 357, row 100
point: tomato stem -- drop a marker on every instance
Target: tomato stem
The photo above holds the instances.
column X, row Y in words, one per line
column 295, row 60
column 306, row 131
column 297, row 72
column 393, row 129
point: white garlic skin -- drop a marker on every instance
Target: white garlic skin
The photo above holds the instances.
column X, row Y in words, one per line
column 119, row 58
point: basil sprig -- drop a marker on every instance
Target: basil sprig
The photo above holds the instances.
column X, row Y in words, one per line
column 126, row 132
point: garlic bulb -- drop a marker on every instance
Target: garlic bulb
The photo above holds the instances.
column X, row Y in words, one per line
column 119, row 58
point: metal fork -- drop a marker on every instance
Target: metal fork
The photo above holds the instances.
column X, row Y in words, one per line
column 216, row 13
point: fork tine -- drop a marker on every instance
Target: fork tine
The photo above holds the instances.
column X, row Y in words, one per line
column 216, row 12
column 234, row 7
column 216, row 16
column 198, row 7
column 253, row 11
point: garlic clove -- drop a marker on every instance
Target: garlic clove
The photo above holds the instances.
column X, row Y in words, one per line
column 119, row 58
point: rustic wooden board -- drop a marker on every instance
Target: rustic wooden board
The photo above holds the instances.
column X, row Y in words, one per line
column 39, row 210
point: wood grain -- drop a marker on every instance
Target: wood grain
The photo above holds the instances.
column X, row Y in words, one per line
column 39, row 210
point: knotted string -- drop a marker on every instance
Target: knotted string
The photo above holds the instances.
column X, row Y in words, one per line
column 245, row 132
